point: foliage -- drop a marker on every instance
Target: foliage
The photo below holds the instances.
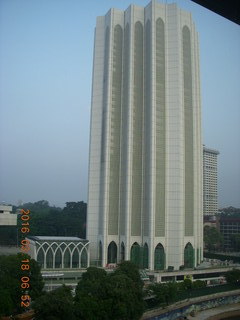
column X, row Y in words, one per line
column 131, row 271
column 229, row 211
column 212, row 238
column 46, row 220
column 8, row 235
column 171, row 292
column 187, row 284
column 233, row 276
column 164, row 293
column 55, row 305
column 199, row 284
column 10, row 281
column 6, row 303
column 109, row 296
column 126, row 298
column 51, row 221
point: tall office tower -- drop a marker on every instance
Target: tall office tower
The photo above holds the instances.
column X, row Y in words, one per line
column 145, row 170
column 210, row 194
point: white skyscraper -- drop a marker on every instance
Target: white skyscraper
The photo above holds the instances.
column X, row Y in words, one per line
column 210, row 174
column 145, row 169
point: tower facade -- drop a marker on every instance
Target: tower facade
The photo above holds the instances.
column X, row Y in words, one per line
column 210, row 174
column 145, row 168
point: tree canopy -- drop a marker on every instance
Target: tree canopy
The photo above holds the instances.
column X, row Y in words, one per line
column 52, row 221
column 10, row 282
column 117, row 295
column 229, row 211
column 212, row 238
column 55, row 305
column 233, row 276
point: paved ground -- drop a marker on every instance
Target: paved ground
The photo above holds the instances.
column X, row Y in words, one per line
column 218, row 313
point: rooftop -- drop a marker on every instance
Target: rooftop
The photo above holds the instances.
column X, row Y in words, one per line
column 210, row 150
column 53, row 238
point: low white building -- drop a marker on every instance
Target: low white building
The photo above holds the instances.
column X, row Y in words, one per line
column 59, row 252
column 6, row 217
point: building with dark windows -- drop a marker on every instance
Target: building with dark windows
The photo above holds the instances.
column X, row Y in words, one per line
column 229, row 226
column 145, row 169
column 59, row 252
column 210, row 175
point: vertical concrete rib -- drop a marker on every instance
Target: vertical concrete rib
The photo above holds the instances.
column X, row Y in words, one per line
column 188, row 126
column 160, row 130
column 147, row 128
column 137, row 118
column 115, row 113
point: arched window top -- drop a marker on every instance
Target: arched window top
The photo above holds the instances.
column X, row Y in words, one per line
column 138, row 26
column 67, row 249
column 118, row 29
column 160, row 22
column 145, row 245
column 112, row 243
column 135, row 244
column 76, row 249
column 40, row 252
column 159, row 246
column 186, row 31
column 188, row 246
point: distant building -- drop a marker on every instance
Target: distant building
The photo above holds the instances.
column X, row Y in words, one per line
column 229, row 226
column 59, row 252
column 6, row 217
column 210, row 175
column 210, row 221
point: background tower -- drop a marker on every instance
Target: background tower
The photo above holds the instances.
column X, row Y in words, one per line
column 145, row 169
column 210, row 174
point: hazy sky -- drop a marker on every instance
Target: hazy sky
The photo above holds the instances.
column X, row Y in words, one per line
column 46, row 55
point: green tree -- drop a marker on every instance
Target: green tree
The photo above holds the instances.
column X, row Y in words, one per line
column 164, row 293
column 126, row 300
column 187, row 284
column 10, row 281
column 131, row 271
column 198, row 284
column 8, row 235
column 55, row 305
column 77, row 213
column 233, row 276
column 212, row 238
column 230, row 211
column 109, row 296
column 6, row 303
column 52, row 221
column 90, row 293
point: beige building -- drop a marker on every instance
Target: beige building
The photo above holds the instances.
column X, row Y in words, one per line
column 145, row 169
column 210, row 175
column 6, row 217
